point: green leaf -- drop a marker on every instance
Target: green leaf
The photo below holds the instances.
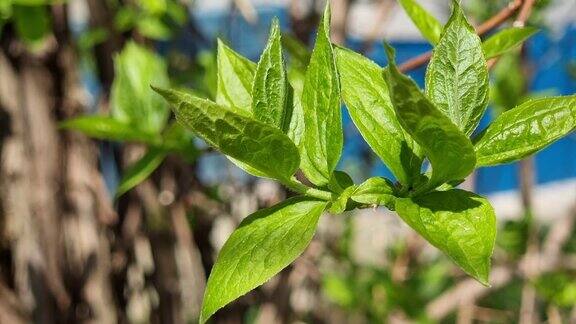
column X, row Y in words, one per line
column 132, row 99
column 92, row 37
column 271, row 98
column 508, row 85
column 32, row 22
column 450, row 152
column 140, row 170
column 342, row 202
column 459, row 223
column 366, row 96
column 235, row 78
column 457, row 77
column 323, row 138
column 296, row 128
column 526, row 129
column 258, row 145
column 154, row 28
column 264, row 243
column 108, row 128
column 125, row 18
column 340, row 181
column 505, row 40
column 178, row 12
column 374, row 191
column 179, row 140
column 299, row 53
column 154, row 7
column 429, row 26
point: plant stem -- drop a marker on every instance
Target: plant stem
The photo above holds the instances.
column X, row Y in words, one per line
column 299, row 187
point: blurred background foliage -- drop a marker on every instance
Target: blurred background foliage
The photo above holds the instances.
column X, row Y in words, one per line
column 125, row 227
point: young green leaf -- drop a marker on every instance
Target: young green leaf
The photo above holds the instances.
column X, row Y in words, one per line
column 296, row 128
column 366, row 96
column 374, row 191
column 271, row 97
column 341, row 203
column 32, row 22
column 323, row 138
column 235, row 78
column 505, row 40
column 258, row 145
column 264, row 243
column 429, row 26
column 299, row 53
column 108, row 128
column 154, row 28
column 140, row 170
column 459, row 223
column 509, row 84
column 526, row 129
column 179, row 140
column 450, row 152
column 339, row 181
column 132, row 99
column 457, row 77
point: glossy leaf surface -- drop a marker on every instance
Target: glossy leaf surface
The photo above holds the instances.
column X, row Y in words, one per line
column 457, row 77
column 366, row 96
column 323, row 137
column 235, row 78
column 525, row 130
column 260, row 146
column 450, row 152
column 459, row 223
column 429, row 26
column 264, row 243
column 271, row 97
column 505, row 40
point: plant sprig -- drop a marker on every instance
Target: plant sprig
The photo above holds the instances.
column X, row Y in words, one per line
column 272, row 125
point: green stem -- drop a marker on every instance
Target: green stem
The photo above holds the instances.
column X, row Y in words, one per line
column 299, row 187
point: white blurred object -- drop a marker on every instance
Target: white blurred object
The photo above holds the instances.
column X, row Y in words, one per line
column 559, row 15
column 397, row 25
column 551, row 201
column 374, row 231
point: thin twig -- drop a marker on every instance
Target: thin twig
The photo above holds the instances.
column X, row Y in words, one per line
column 495, row 21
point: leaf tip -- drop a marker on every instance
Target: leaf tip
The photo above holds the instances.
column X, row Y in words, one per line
column 161, row 91
column 275, row 26
column 326, row 17
column 220, row 45
column 390, row 55
column 484, row 279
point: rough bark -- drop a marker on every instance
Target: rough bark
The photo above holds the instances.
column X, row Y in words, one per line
column 51, row 196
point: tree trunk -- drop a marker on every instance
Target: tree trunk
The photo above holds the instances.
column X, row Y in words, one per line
column 53, row 205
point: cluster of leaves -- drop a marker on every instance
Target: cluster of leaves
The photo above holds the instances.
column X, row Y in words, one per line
column 138, row 115
column 272, row 128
